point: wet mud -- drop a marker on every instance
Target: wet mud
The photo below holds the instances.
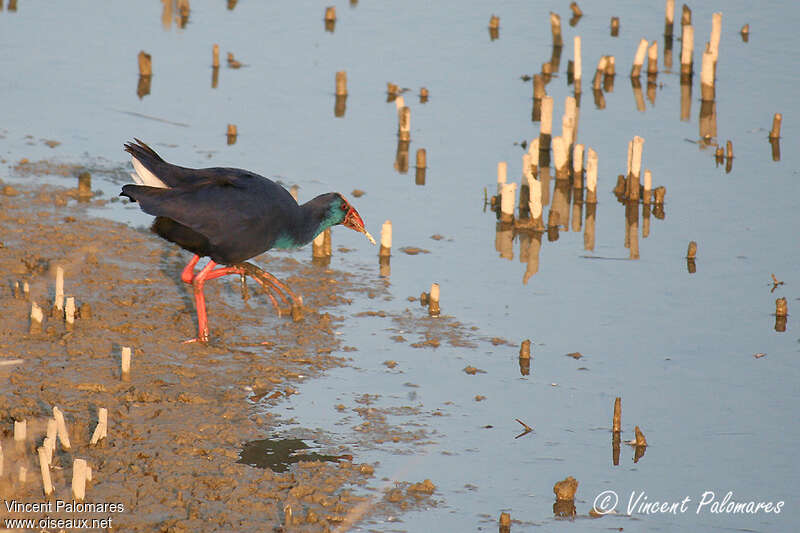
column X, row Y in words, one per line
column 178, row 422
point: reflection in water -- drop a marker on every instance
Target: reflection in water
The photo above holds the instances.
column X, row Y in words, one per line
column 419, row 178
column 651, row 90
column 668, row 52
column 781, row 312
column 529, row 227
column 544, row 179
column 538, row 95
column 568, row 189
column 745, row 33
column 775, row 136
column 385, row 267
column 504, row 240
column 524, row 366
column 632, row 228
column 278, row 455
column 559, row 210
column 564, row 509
column 401, row 157
column 494, row 28
column 577, row 13
column 330, row 18
column 638, row 453
column 588, row 233
column 84, row 187
column 573, row 207
column 392, row 94
column 422, row 164
column 577, row 210
column 728, row 157
column 145, row 61
column 231, row 134
column 565, row 490
column 177, row 10
column 636, row 85
column 340, row 105
column 776, row 149
column 708, row 122
column 166, row 14
column 183, row 8
column 403, row 120
column 615, row 440
column 599, row 99
column 574, row 203
column 143, row 86
column 534, row 247
column 686, row 98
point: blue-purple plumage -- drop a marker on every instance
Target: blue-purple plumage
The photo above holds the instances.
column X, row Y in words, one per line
column 228, row 214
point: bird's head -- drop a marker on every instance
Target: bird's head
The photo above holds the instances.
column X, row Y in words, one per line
column 348, row 216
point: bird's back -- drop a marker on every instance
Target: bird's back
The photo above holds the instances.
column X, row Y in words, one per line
column 228, row 214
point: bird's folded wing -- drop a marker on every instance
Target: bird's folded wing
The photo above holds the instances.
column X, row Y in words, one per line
column 217, row 212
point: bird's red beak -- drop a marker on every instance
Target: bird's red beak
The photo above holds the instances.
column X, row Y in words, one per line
column 354, row 221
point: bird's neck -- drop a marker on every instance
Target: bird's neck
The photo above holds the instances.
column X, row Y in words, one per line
column 311, row 219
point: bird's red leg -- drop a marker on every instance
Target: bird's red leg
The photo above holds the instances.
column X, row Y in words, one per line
column 268, row 282
column 200, row 302
column 188, row 272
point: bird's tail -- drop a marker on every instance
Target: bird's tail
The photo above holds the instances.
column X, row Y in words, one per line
column 144, row 159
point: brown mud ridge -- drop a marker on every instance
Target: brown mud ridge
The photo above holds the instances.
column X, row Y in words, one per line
column 176, row 425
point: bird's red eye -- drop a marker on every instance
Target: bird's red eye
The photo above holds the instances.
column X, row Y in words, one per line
column 344, row 206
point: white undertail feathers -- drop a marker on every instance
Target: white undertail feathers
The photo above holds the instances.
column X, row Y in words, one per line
column 142, row 176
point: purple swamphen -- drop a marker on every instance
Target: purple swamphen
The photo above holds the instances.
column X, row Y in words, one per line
column 229, row 215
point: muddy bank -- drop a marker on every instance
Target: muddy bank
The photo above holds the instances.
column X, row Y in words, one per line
column 178, row 422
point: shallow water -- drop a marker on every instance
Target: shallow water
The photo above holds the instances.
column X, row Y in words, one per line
column 278, row 455
column 677, row 347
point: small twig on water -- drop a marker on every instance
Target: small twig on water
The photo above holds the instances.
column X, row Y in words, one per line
column 775, row 283
column 527, row 430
